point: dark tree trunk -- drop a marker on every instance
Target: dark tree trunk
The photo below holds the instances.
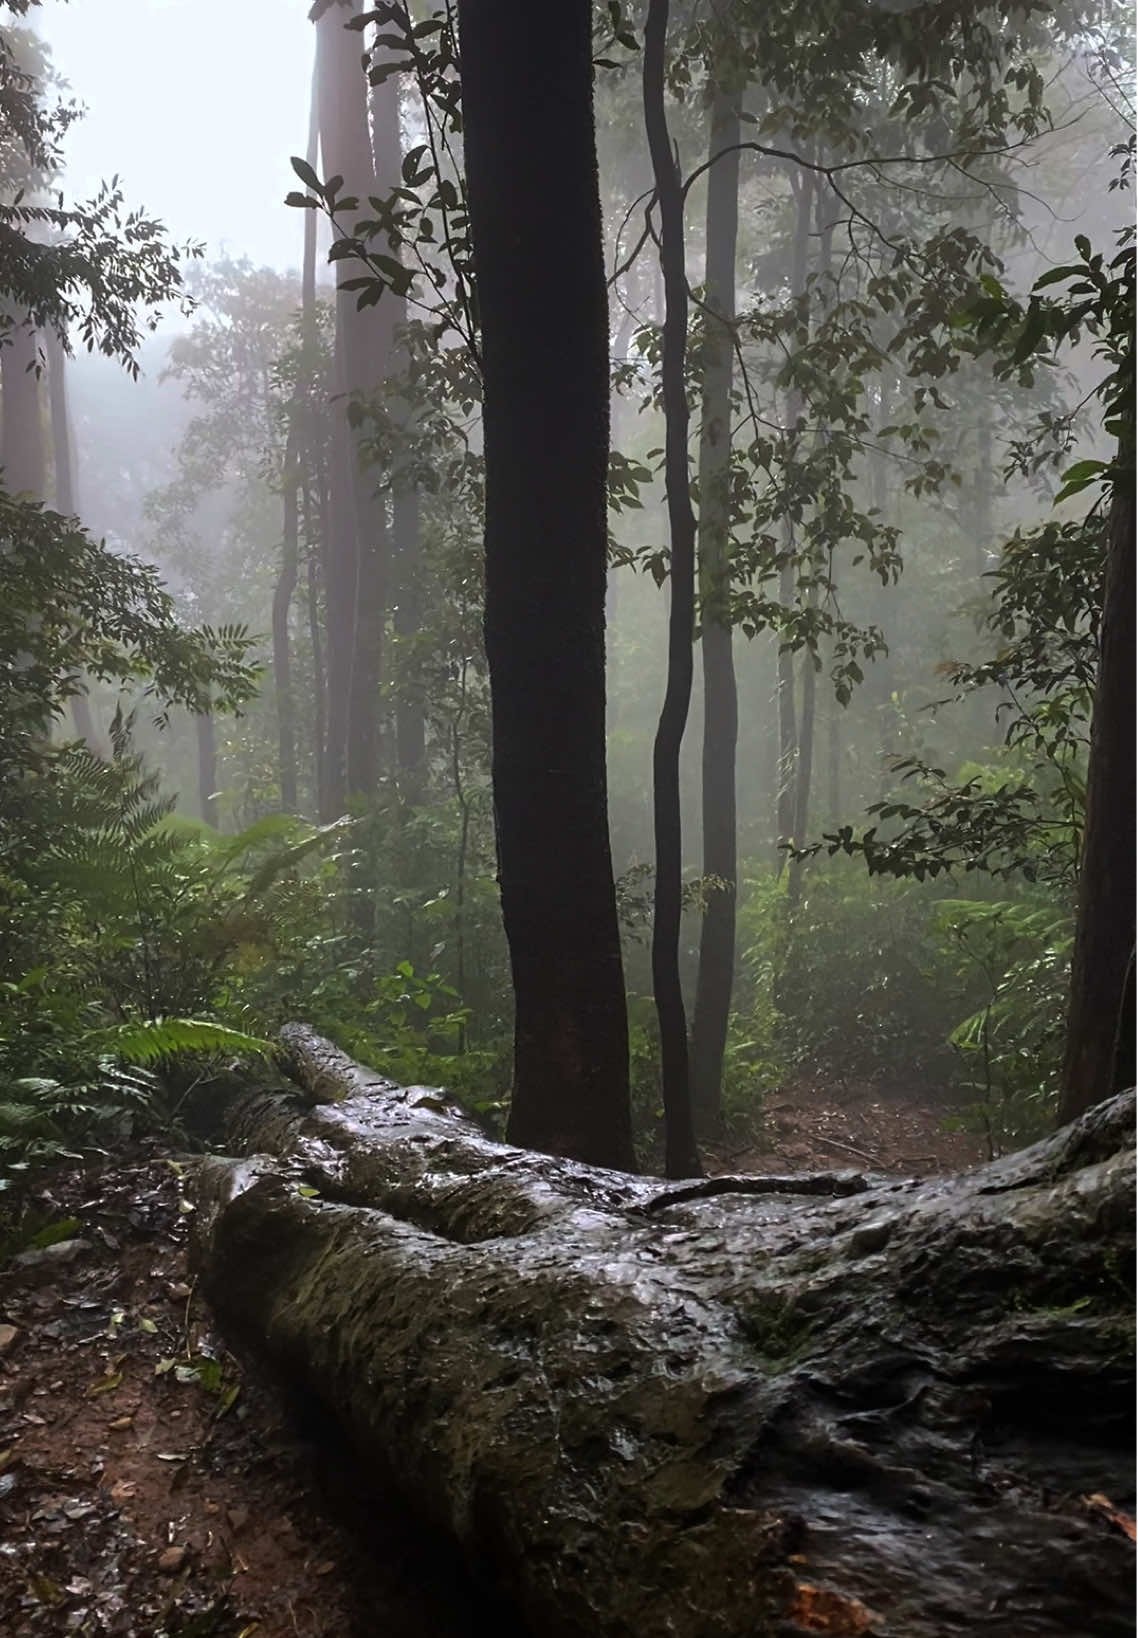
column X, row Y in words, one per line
column 834, row 765
column 282, row 607
column 720, row 699
column 1100, row 1023
column 546, row 446
column 742, row 1408
column 804, row 772
column 681, row 1153
column 207, row 767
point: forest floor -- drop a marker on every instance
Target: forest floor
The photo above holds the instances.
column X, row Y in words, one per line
column 152, row 1485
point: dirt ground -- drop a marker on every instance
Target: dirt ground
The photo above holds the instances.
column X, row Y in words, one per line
column 154, row 1486
column 817, row 1124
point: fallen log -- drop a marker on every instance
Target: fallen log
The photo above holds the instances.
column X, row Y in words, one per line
column 744, row 1406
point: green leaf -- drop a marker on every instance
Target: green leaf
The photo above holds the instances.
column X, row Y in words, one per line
column 305, row 172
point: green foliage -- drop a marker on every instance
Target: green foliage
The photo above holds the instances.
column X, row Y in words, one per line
column 1011, row 1045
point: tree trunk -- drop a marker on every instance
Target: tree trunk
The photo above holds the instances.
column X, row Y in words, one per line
column 410, row 718
column 681, row 1153
column 65, row 497
column 720, row 700
column 207, row 767
column 357, row 590
column 282, row 606
column 768, row 1406
column 545, row 426
column 1100, row 1022
column 788, row 574
column 22, row 451
column 805, row 768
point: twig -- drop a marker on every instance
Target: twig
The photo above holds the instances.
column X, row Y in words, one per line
column 862, row 1154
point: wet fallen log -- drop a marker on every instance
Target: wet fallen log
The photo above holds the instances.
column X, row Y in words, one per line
column 745, row 1406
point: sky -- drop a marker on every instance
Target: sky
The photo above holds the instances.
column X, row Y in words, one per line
column 197, row 105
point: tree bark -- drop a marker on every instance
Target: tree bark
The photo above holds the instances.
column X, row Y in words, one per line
column 681, row 1152
column 1100, row 1022
column 720, row 699
column 766, row 1406
column 545, row 426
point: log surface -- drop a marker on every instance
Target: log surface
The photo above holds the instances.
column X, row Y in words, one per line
column 762, row 1406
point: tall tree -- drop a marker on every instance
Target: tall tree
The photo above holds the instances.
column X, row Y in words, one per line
column 65, row 494
column 681, row 1156
column 526, row 74
column 22, row 452
column 720, row 700
column 1100, row 1027
column 356, row 590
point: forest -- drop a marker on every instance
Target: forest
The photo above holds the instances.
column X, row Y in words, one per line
column 567, row 819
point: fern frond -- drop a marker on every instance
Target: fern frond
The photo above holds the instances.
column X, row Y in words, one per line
column 155, row 1040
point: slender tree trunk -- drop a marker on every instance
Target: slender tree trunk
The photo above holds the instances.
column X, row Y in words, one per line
column 805, row 739
column 282, row 606
column 319, row 690
column 407, row 614
column 788, row 575
column 804, row 771
column 835, row 761
column 207, row 767
column 720, row 698
column 1100, row 1023
column 681, row 1156
column 545, row 422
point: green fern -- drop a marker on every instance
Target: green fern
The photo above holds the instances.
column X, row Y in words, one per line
column 156, row 1040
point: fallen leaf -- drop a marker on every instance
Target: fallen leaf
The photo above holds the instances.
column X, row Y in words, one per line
column 106, row 1384
column 120, row 1423
column 817, row 1609
column 172, row 1560
column 238, row 1518
column 148, row 1326
column 46, row 1590
column 77, row 1510
column 1098, row 1503
column 122, row 1490
column 163, row 1366
column 326, row 1568
column 8, row 1335
column 173, row 1456
column 7, row 1457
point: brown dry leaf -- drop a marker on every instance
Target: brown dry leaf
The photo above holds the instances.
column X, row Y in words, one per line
column 816, row 1609
column 326, row 1568
column 1098, row 1503
column 121, row 1422
column 122, row 1490
column 7, row 1457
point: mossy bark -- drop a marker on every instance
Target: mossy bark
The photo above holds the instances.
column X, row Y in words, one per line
column 705, row 1410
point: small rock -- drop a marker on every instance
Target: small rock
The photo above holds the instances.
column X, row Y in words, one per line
column 8, row 1335
column 172, row 1560
column 178, row 1292
column 63, row 1251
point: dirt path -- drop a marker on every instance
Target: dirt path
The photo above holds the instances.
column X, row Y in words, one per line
column 151, row 1487
column 817, row 1124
